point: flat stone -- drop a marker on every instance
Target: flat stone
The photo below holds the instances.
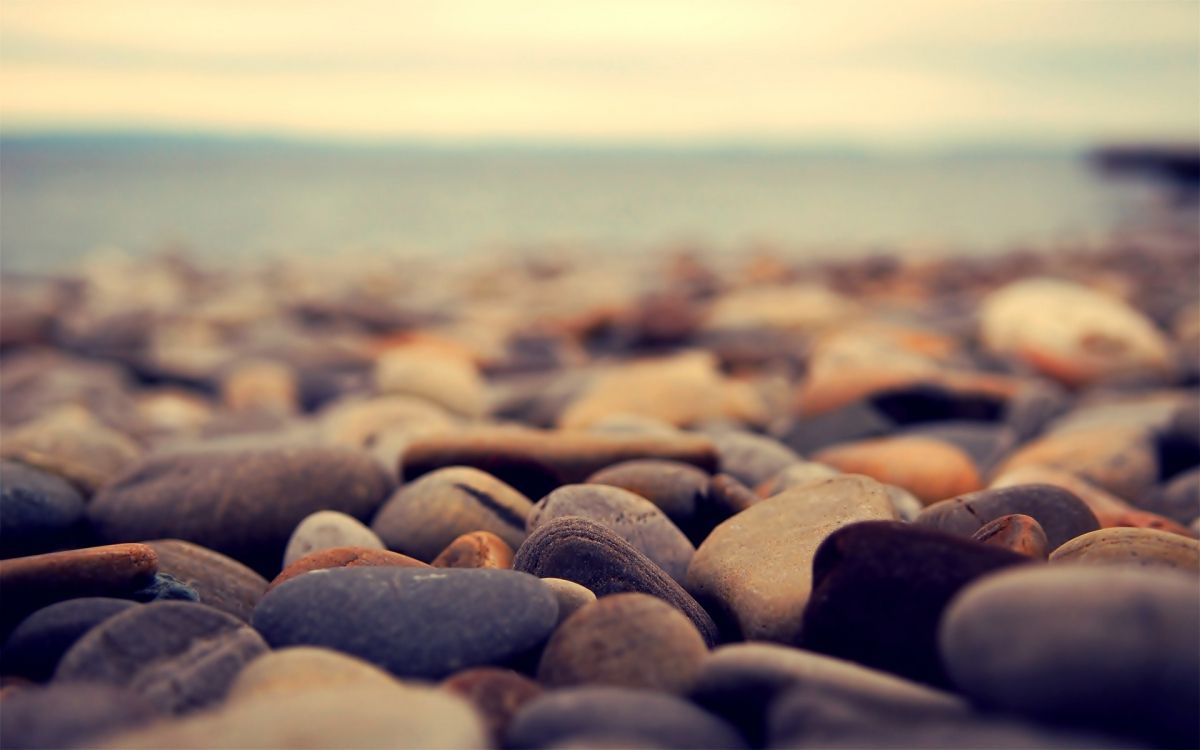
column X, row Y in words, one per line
column 537, row 461
column 904, row 576
column 591, row 555
column 570, row 596
column 628, row 640
column 756, row 568
column 70, row 443
column 1102, row 647
column 1121, row 460
column 497, row 694
column 299, row 669
column 1061, row 514
column 70, row 715
column 345, row 557
column 675, row 488
column 1146, row 548
column 178, row 656
column 932, row 470
column 986, row 443
column 478, row 549
column 1015, row 533
column 242, row 502
column 631, row 517
column 325, row 529
column 661, row 719
column 415, row 623
column 39, row 511
column 810, row 433
column 751, row 458
column 423, row 517
column 220, row 581
column 36, row 645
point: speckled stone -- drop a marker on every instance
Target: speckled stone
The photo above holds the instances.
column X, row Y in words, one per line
column 36, row 645
column 70, row 715
column 478, row 549
column 1061, row 514
column 415, row 623
column 423, row 517
column 497, row 694
column 1145, row 548
column 1016, row 533
column 39, row 512
column 345, row 557
column 219, row 580
column 178, row 656
column 325, row 529
column 570, row 595
column 589, row 554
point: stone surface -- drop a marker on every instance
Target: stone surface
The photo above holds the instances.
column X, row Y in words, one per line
column 325, row 529
column 345, row 557
column 448, row 381
column 751, row 458
column 39, row 512
column 756, row 568
column 425, row 516
column 1121, row 460
column 570, row 596
column 932, row 470
column 660, row 719
column 478, row 549
column 795, row 475
column 219, row 580
column 903, row 576
column 497, row 694
column 1146, row 548
column 1178, row 499
column 1061, row 514
column 242, row 502
column 675, row 488
column 178, row 656
column 628, row 640
column 70, row 443
column 589, row 554
column 1099, row 647
column 415, row 623
column 1015, row 533
column 303, row 668
column 631, row 517
column 35, row 646
column 69, row 715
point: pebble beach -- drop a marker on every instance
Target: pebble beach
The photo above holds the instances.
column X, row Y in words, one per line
column 568, row 501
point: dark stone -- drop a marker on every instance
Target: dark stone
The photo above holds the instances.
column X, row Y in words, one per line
column 751, row 458
column 1178, row 443
column 165, row 587
column 849, row 423
column 676, row 488
column 986, row 444
column 424, row 623
column 1062, row 515
column 930, row 402
column 724, row 497
column 561, row 715
column 589, row 554
column 179, row 656
column 70, row 715
column 39, row 512
column 244, row 503
column 497, row 694
column 1178, row 499
column 219, row 581
column 36, row 645
column 1032, row 408
column 879, row 589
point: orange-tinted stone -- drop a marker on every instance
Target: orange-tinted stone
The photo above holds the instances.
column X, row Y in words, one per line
column 478, row 549
column 345, row 557
column 1018, row 533
column 930, row 469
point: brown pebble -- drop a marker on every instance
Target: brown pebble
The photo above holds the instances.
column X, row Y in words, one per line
column 676, row 488
column 1139, row 547
column 478, row 549
column 497, row 694
column 345, row 557
column 930, row 469
column 1018, row 533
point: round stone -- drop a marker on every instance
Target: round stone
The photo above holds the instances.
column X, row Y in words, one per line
column 303, row 668
column 451, row 382
column 1146, row 548
column 325, row 529
column 345, row 557
column 39, row 512
column 675, row 488
column 36, row 645
column 218, row 580
column 1016, row 533
column 497, row 694
column 478, row 549
column 70, row 443
column 751, row 458
column 1061, row 514
column 1120, row 459
column 931, row 469
column 570, row 595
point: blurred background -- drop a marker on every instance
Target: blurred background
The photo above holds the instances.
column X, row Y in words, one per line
column 262, row 128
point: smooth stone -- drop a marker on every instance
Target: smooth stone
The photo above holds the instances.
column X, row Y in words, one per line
column 593, row 556
column 415, row 623
column 570, row 596
column 675, row 488
column 740, row 682
column 478, row 549
column 1119, row 459
column 629, row 640
column 986, row 443
column 425, row 516
column 497, row 694
column 907, row 505
column 932, row 470
column 219, row 580
column 179, row 656
column 302, row 668
column 1146, row 548
column 260, row 385
column 64, row 715
column 725, row 497
column 243, row 502
column 536, row 461
column 451, row 382
column 795, row 475
column 1015, row 533
column 904, row 576
column 751, row 458
column 325, row 529
column 345, row 557
column 1178, row 499
column 631, row 517
column 359, row 423
column 655, row 717
column 70, row 443
column 1061, row 514
column 39, row 512
column 756, row 568
column 35, row 646
column 810, row 433
column 350, row 717
column 1100, row 647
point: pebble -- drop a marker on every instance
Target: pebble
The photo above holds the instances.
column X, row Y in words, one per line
column 751, row 458
column 630, row 516
column 628, row 640
column 345, row 557
column 415, row 623
column 641, row 715
column 497, row 694
column 422, row 518
column 1121, row 460
column 1099, row 647
column 537, row 461
column 164, row 587
column 1061, row 514
column 675, row 488
column 36, row 645
column 299, row 669
column 477, row 549
column 260, row 385
column 451, row 382
column 570, row 596
column 904, row 576
column 1178, row 499
column 1016, row 533
column 179, row 656
column 360, row 422
column 795, row 475
column 70, row 443
column 756, row 568
column 70, row 715
column 242, row 502
column 39, row 512
column 219, row 581
column 811, row 432
column 325, row 529
column 932, row 470
column 1146, row 548
column 591, row 555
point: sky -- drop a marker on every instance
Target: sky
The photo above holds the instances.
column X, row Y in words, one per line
column 853, row 71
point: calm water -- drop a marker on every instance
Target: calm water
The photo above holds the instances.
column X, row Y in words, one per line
column 60, row 199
